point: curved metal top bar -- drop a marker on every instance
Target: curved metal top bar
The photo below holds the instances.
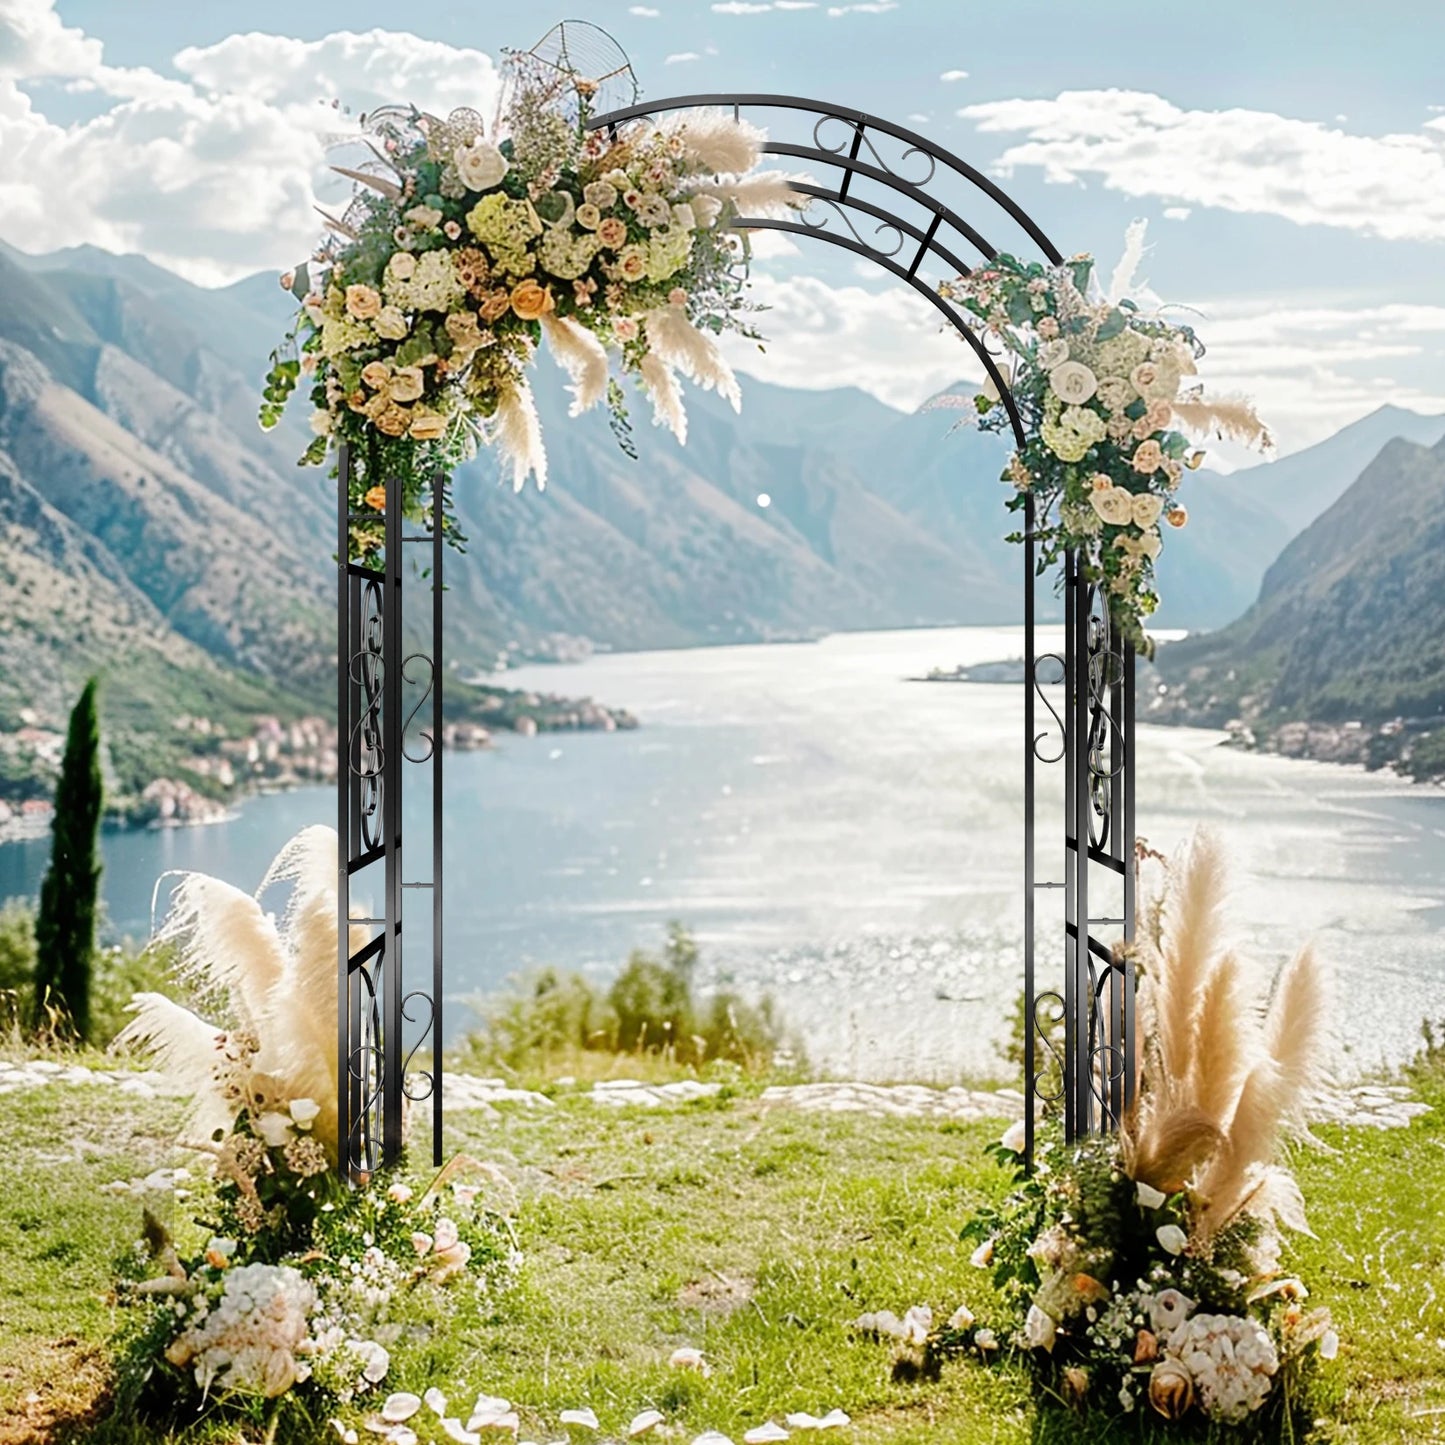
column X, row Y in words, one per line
column 799, row 228
column 914, row 192
column 859, row 119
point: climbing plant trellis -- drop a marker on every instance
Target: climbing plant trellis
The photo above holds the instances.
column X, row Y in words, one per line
column 867, row 178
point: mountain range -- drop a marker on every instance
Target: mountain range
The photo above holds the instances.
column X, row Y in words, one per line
column 152, row 529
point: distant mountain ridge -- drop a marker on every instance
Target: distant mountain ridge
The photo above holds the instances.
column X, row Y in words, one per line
column 137, row 482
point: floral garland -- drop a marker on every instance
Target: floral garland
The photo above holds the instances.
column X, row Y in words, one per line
column 1099, row 388
column 468, row 245
column 289, row 1290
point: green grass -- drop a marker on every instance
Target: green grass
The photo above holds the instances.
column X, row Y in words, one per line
column 756, row 1234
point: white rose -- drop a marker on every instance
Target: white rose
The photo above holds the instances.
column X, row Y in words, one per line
column 1052, row 354
column 1073, row 382
column 1114, row 504
column 275, row 1129
column 481, row 165
column 684, row 217
column 321, row 423
column 303, row 1111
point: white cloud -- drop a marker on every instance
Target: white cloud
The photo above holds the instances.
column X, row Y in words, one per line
column 647, row 12
column 918, row 117
column 1177, row 213
column 877, row 7
column 1251, row 161
column 742, row 7
column 212, row 174
column 952, row 75
column 682, row 57
column 890, row 342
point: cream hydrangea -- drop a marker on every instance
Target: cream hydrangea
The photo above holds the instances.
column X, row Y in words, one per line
column 428, row 283
column 250, row 1341
column 1231, row 1360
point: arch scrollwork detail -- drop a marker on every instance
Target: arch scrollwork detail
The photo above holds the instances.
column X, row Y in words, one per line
column 857, row 137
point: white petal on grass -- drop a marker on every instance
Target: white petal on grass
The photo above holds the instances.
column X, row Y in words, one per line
column 403, row 1435
column 687, row 1357
column 585, row 1416
column 435, row 1401
column 833, row 1420
column 766, row 1434
column 400, row 1407
column 489, row 1405
column 711, row 1437
column 456, row 1431
column 642, row 1423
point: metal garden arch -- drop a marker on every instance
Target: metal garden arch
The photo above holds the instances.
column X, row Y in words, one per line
column 1087, row 723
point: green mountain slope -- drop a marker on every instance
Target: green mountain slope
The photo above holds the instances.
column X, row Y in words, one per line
column 1346, row 633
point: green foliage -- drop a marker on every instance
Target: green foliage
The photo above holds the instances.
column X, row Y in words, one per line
column 65, row 924
column 651, row 1010
column 17, row 944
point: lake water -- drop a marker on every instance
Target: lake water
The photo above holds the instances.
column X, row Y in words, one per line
column 852, row 842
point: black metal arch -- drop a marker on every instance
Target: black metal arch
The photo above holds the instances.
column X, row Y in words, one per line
column 1091, row 731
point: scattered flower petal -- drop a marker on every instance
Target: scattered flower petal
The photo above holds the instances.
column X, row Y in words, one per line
column 585, row 1416
column 1150, row 1197
column 344, row 1433
column 435, row 1401
column 1171, row 1238
column 688, row 1357
column 400, row 1406
column 642, row 1423
column 457, row 1432
column 765, row 1434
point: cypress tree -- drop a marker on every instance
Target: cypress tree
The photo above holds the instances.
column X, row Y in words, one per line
column 65, row 924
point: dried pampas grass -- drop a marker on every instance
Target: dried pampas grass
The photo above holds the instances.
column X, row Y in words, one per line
column 275, row 981
column 679, row 344
column 714, row 140
column 661, row 385
column 517, row 434
column 1219, row 1082
column 1227, row 417
column 582, row 356
column 767, row 195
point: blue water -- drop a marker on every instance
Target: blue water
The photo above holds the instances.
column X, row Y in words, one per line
column 852, row 842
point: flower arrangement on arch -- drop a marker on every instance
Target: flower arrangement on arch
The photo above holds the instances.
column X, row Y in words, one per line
column 1143, row 1270
column 288, row 1288
column 1105, row 398
column 468, row 244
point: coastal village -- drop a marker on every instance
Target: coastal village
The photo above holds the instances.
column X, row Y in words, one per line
column 276, row 755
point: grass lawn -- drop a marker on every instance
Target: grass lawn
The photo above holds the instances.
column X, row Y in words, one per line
column 754, row 1233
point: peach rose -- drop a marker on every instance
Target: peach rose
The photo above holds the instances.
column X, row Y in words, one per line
column 375, row 374
column 632, row 262
column 376, row 499
column 394, row 421
column 362, row 302
column 1171, row 1389
column 494, row 305
column 427, row 426
column 1177, row 517
column 1148, row 458
column 529, row 300
column 407, row 383
column 612, row 232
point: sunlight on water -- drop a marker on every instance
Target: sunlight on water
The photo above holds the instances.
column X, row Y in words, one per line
column 852, row 842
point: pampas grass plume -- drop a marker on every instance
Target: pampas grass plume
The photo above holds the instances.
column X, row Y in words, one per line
column 582, row 356
column 674, row 339
column 714, row 141
column 517, row 433
column 667, row 408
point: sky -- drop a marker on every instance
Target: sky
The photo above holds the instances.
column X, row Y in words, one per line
column 1289, row 162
